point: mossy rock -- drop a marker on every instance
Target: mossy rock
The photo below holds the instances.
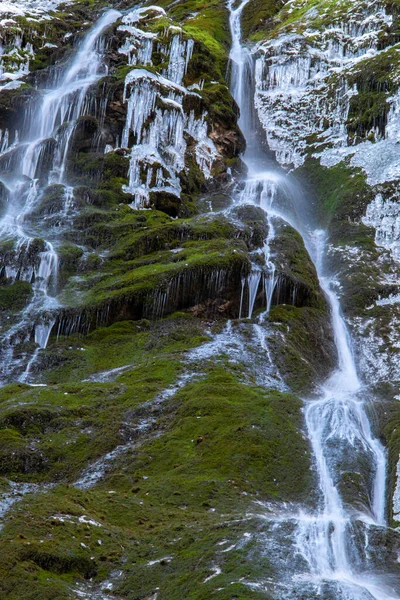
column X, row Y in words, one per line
column 305, row 353
column 14, row 297
column 257, row 17
column 298, row 281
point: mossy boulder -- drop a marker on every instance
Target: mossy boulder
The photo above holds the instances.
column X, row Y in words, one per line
column 297, row 279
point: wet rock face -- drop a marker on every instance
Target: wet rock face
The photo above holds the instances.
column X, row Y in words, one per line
column 255, row 220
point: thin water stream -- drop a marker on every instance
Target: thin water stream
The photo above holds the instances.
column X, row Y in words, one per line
column 36, row 160
column 330, row 560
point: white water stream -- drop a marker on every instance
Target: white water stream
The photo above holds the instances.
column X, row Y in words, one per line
column 333, row 562
column 46, row 142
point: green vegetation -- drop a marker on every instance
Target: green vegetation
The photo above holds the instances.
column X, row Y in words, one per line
column 305, row 353
column 136, row 344
column 179, row 489
column 257, row 17
column 147, row 252
column 389, row 422
column 341, row 193
column 375, row 81
column 14, row 297
column 297, row 270
column 207, row 23
column 341, row 197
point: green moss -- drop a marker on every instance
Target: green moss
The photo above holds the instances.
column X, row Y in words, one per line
column 207, row 24
column 368, row 111
column 143, row 276
column 220, row 105
column 296, row 268
column 52, row 433
column 369, row 108
column 305, row 353
column 160, row 233
column 135, row 344
column 341, row 194
column 211, row 28
column 257, row 16
column 390, row 431
column 218, row 413
column 221, row 444
column 14, row 297
column 130, row 288
column 105, row 172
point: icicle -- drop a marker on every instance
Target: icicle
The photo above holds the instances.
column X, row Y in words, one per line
column 253, row 282
column 241, row 297
column 179, row 55
column 270, row 284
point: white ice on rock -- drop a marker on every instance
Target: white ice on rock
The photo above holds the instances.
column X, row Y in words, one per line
column 301, row 88
column 16, row 53
column 138, row 47
column 379, row 160
column 384, row 216
column 30, row 7
column 157, row 126
column 396, row 495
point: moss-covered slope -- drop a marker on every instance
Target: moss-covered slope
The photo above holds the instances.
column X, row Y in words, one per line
column 179, row 476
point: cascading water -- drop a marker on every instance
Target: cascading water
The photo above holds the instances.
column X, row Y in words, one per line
column 329, row 559
column 35, row 160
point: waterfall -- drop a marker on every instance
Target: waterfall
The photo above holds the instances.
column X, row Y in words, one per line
column 333, row 562
column 48, row 137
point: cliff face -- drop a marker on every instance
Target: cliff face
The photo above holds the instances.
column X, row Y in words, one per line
column 150, row 414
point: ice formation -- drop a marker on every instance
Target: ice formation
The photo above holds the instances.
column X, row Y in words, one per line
column 384, row 216
column 301, row 81
column 158, row 129
column 15, row 53
column 30, row 7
